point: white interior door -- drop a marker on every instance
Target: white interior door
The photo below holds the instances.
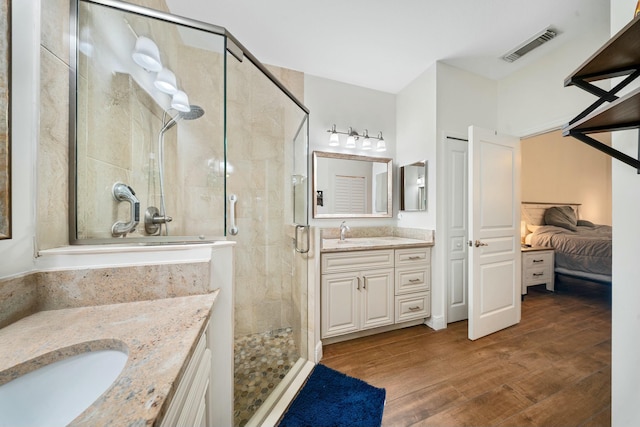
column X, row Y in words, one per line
column 494, row 232
column 456, row 158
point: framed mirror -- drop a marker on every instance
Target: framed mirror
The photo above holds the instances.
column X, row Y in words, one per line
column 352, row 186
column 413, row 187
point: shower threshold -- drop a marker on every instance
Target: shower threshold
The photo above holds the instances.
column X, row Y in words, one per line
column 274, row 407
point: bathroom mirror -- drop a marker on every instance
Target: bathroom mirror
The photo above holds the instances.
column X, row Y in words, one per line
column 413, row 187
column 351, row 186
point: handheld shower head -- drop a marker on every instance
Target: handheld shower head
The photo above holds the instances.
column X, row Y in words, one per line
column 194, row 113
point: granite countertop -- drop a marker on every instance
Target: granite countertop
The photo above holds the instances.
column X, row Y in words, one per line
column 368, row 243
column 159, row 337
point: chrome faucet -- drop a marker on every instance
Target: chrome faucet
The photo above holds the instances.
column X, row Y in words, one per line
column 343, row 229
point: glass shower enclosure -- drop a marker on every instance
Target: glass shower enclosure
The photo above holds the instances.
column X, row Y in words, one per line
column 179, row 135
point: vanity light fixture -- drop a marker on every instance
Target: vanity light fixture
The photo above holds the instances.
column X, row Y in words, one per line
column 353, row 137
column 180, row 102
column 381, row 145
column 146, row 54
column 366, row 141
column 166, row 81
column 334, row 139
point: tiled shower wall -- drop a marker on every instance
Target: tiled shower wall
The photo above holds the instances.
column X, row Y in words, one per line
column 261, row 299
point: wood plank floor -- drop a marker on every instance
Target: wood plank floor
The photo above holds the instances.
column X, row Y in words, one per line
column 552, row 369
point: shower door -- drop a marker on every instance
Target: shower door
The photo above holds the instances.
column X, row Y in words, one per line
column 266, row 146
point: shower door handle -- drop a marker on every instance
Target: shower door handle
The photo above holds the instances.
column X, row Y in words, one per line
column 305, row 229
column 233, row 230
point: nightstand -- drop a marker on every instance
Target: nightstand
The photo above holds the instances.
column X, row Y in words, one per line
column 537, row 267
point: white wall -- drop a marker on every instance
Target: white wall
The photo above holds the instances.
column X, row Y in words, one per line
column 416, row 140
column 443, row 100
column 17, row 253
column 625, row 357
column 534, row 99
column 464, row 99
column 330, row 102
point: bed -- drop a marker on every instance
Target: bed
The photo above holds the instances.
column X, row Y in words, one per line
column 582, row 249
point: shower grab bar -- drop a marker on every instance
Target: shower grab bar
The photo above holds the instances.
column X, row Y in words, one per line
column 233, row 229
column 123, row 193
column 305, row 249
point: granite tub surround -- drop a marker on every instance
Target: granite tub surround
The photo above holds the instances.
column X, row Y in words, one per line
column 159, row 337
column 99, row 286
column 18, row 298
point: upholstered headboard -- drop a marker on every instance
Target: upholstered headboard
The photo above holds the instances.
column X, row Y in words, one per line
column 532, row 213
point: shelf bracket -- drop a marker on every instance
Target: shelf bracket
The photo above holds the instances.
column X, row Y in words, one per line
column 604, row 96
column 608, row 150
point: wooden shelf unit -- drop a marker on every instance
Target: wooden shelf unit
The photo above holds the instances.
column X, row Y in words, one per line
column 619, row 57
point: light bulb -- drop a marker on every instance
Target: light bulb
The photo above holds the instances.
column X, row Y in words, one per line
column 381, row 146
column 366, row 142
column 147, row 55
column 180, row 102
column 166, row 81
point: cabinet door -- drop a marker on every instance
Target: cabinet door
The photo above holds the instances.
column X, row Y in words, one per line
column 339, row 304
column 377, row 298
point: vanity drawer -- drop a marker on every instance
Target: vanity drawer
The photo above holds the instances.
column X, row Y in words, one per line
column 413, row 306
column 412, row 256
column 410, row 279
column 356, row 260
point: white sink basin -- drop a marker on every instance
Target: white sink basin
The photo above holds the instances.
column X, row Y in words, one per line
column 57, row 393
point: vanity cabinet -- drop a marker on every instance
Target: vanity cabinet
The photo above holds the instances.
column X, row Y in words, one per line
column 368, row 289
column 189, row 405
column 357, row 291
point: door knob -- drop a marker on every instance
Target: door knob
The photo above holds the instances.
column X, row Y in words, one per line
column 479, row 243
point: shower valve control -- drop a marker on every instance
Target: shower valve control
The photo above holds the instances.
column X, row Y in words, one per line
column 153, row 219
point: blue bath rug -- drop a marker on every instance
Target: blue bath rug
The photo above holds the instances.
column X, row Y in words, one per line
column 333, row 399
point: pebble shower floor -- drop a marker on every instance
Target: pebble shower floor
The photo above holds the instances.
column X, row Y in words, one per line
column 260, row 362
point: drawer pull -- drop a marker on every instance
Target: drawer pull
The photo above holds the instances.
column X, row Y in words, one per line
column 538, row 274
column 413, row 258
column 415, row 280
column 416, row 308
column 538, row 260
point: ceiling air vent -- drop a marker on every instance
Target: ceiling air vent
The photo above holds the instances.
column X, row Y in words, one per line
column 534, row 42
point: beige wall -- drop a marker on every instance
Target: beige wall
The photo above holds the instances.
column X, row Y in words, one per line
column 561, row 169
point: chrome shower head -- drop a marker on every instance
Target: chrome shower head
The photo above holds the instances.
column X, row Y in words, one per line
column 194, row 113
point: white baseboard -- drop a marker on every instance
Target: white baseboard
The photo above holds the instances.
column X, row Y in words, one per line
column 436, row 322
